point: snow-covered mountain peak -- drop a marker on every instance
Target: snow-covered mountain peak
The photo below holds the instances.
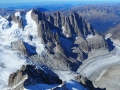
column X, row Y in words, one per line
column 31, row 26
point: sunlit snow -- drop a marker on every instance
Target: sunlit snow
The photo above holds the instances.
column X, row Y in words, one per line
column 18, row 14
column 11, row 61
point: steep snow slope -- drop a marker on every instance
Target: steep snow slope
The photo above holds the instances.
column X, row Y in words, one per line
column 31, row 29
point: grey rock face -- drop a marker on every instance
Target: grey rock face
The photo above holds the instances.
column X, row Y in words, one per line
column 57, row 62
column 19, row 46
column 37, row 16
column 17, row 20
column 102, row 17
column 71, row 24
column 16, row 80
column 40, row 76
column 115, row 32
column 30, row 75
column 66, row 40
column 87, row 83
column 57, row 19
column 114, row 35
column 23, row 47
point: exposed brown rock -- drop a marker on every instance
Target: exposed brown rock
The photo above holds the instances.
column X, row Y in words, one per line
column 16, row 80
column 19, row 46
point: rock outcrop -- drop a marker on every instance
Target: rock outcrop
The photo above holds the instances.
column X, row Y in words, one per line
column 85, row 82
column 19, row 46
column 16, row 80
column 102, row 16
column 30, row 75
column 23, row 47
column 114, row 34
column 35, row 76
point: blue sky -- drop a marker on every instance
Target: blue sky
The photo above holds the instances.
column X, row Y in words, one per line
column 15, row 1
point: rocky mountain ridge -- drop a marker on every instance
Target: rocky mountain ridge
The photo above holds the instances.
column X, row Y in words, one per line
column 101, row 16
column 64, row 37
column 58, row 42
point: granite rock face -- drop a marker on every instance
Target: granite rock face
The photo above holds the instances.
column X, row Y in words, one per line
column 23, row 47
column 56, row 30
column 67, row 40
column 102, row 17
column 17, row 20
column 40, row 76
column 19, row 46
column 16, row 80
column 30, row 75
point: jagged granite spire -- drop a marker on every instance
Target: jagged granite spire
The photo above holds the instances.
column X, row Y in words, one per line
column 68, row 38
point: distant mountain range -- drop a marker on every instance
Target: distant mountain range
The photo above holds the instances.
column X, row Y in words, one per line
column 43, row 8
column 101, row 16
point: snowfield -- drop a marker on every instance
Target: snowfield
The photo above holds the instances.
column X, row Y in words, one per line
column 11, row 61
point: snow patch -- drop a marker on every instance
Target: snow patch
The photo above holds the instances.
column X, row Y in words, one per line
column 64, row 32
column 63, row 28
column 17, row 14
column 90, row 36
column 108, row 35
